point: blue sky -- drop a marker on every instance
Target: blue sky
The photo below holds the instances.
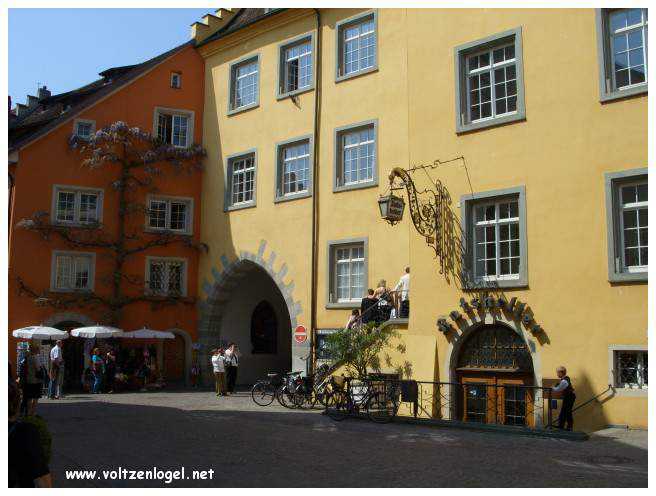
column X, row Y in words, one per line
column 67, row 48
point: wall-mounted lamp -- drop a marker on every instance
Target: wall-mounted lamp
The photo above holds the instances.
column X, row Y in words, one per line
column 391, row 208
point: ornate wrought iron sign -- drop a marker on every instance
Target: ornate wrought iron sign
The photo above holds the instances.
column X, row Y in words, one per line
column 428, row 217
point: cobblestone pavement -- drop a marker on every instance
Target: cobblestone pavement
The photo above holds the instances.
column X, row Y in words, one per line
column 251, row 446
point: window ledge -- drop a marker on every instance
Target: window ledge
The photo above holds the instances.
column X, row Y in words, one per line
column 628, row 392
column 350, row 187
column 78, row 225
column 465, row 128
column 620, row 94
column 153, row 230
column 339, row 79
column 245, row 108
column 343, row 304
column 240, row 206
column 501, row 283
column 72, row 291
column 282, row 96
column 629, row 277
column 296, row 196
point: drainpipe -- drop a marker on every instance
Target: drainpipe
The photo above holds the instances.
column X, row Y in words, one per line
column 315, row 187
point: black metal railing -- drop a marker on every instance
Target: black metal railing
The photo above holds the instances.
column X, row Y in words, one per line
column 511, row 404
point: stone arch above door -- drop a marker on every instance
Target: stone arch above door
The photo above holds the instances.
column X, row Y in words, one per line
column 226, row 276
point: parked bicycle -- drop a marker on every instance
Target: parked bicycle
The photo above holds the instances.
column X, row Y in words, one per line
column 310, row 390
column 265, row 391
column 378, row 399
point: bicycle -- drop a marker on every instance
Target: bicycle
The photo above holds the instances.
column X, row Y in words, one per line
column 286, row 391
column 310, row 390
column 379, row 403
column 265, row 391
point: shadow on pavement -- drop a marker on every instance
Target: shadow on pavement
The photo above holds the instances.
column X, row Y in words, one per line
column 266, row 448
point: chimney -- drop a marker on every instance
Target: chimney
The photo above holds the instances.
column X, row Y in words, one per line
column 44, row 93
column 32, row 101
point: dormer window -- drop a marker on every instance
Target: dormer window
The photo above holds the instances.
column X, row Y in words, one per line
column 176, row 80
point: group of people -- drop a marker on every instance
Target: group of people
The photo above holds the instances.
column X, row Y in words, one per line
column 383, row 303
column 225, row 362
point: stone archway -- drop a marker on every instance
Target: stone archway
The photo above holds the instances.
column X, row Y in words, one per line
column 58, row 318
column 228, row 278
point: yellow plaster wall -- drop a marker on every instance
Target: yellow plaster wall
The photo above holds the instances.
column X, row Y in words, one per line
column 559, row 154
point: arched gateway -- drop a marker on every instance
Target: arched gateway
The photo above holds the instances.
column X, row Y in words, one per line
column 249, row 303
column 492, row 364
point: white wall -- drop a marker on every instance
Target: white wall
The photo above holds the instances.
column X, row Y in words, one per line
column 236, row 326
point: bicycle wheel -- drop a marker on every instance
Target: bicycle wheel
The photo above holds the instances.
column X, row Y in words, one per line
column 339, row 408
column 262, row 393
column 381, row 407
column 285, row 398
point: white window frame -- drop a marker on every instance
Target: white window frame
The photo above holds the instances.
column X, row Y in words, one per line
column 608, row 89
column 497, row 223
column 229, row 177
column 283, row 91
column 339, row 176
column 331, row 273
column 189, row 202
column 614, row 181
column 490, row 69
column 232, row 84
column 167, row 260
column 613, row 372
column 90, row 256
column 635, row 206
column 340, row 45
column 78, row 191
column 189, row 114
column 176, row 75
column 280, row 195
column 76, row 124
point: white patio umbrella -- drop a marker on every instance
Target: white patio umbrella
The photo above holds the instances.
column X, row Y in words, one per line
column 97, row 331
column 145, row 333
column 39, row 332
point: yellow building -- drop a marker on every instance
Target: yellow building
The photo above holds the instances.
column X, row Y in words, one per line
column 540, row 118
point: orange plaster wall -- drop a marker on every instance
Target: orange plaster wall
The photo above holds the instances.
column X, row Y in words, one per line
column 49, row 161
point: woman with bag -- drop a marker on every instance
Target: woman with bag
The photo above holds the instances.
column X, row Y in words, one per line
column 31, row 375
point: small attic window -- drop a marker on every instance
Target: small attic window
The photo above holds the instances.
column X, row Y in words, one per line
column 176, row 80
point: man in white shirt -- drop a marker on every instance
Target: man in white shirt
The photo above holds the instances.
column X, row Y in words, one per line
column 402, row 291
column 218, row 364
column 565, row 418
column 56, row 371
column 232, row 356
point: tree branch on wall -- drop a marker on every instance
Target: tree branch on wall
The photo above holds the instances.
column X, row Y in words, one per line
column 136, row 159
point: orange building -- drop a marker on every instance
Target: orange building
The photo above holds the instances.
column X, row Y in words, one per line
column 162, row 96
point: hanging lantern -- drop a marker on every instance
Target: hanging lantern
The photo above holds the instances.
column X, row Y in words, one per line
column 391, row 208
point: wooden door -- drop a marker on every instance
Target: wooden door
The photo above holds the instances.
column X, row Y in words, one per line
column 515, row 403
column 174, row 356
column 479, row 399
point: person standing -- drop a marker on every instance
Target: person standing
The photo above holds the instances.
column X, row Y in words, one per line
column 31, row 375
column 96, row 370
column 565, row 387
column 56, row 371
column 218, row 364
column 354, row 319
column 110, row 371
column 385, row 301
column 368, row 307
column 232, row 356
column 402, row 291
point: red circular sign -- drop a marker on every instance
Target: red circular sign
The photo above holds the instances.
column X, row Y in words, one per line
column 300, row 334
